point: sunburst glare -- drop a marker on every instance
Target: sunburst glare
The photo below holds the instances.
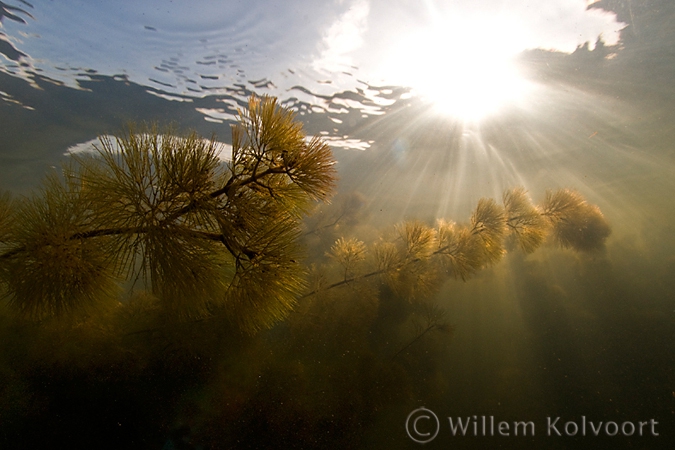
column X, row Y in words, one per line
column 465, row 68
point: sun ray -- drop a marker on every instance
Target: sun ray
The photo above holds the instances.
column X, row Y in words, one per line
column 465, row 68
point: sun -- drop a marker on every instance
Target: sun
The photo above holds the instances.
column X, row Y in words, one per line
column 465, row 68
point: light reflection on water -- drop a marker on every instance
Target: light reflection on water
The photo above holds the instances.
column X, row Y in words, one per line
column 300, row 52
column 189, row 53
column 591, row 117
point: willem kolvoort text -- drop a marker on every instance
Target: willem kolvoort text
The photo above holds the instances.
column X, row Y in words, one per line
column 487, row 426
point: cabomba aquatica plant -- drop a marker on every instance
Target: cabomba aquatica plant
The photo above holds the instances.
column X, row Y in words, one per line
column 206, row 235
column 156, row 225
column 200, row 233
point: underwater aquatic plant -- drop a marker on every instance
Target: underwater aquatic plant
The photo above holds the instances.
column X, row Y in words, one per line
column 525, row 220
column 417, row 258
column 214, row 239
column 203, row 234
column 209, row 237
column 576, row 224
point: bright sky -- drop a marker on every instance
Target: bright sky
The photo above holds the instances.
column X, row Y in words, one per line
column 458, row 52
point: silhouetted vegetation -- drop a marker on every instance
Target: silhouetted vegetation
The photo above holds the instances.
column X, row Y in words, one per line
column 158, row 296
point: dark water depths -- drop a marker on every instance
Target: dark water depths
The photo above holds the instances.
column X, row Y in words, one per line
column 551, row 334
